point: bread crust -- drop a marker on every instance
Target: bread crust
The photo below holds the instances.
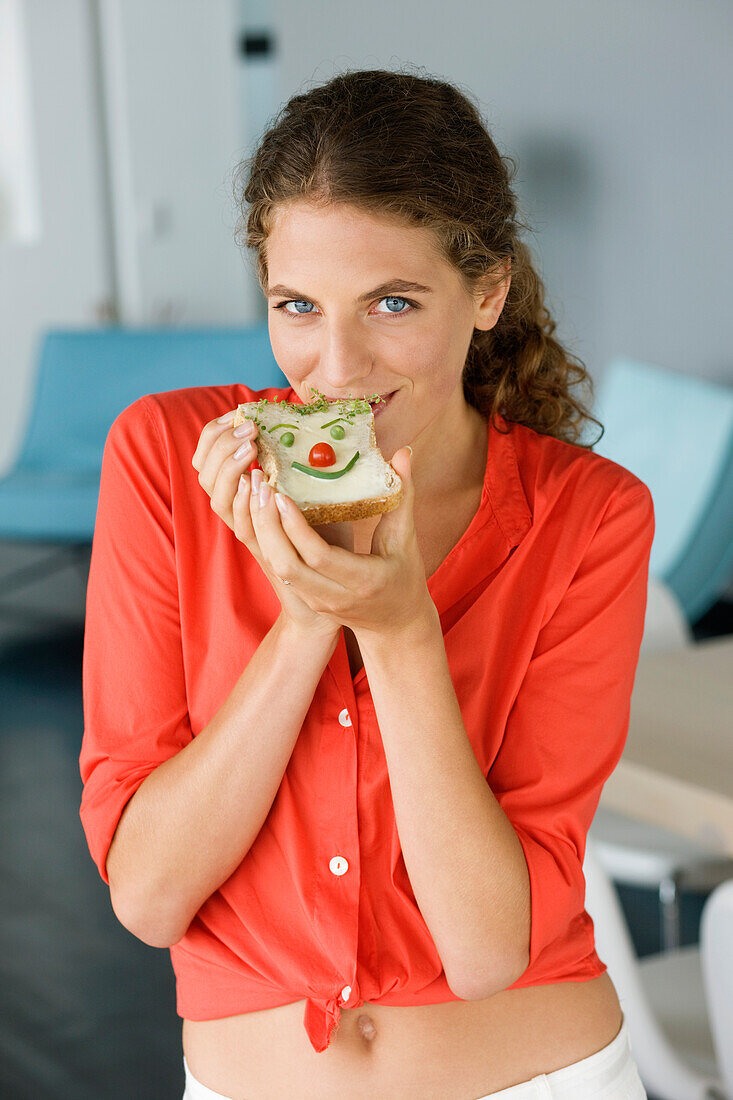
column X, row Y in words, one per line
column 332, row 512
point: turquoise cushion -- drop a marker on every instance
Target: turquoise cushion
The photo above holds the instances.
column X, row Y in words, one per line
column 674, row 431
column 85, row 379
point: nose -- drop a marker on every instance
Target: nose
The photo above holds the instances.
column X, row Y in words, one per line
column 346, row 361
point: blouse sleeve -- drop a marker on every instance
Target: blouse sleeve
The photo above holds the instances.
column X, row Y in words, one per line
column 568, row 725
column 134, row 698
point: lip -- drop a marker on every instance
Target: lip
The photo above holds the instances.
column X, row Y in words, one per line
column 379, row 408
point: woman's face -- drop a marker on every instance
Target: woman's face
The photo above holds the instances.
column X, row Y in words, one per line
column 343, row 321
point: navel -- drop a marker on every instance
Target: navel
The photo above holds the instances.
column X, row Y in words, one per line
column 366, row 1027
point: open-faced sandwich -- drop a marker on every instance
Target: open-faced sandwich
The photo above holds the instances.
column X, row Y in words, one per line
column 324, row 456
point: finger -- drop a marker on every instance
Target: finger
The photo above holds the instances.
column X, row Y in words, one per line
column 215, row 442
column 244, row 528
column 227, row 455
column 282, row 554
column 396, row 528
column 234, row 457
column 209, row 434
column 299, row 554
column 241, row 521
column 355, row 571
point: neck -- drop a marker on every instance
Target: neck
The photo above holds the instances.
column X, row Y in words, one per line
column 452, row 463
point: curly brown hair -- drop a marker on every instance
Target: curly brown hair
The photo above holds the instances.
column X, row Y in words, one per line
column 416, row 149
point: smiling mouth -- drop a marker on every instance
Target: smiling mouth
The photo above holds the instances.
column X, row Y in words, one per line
column 379, row 406
column 376, row 406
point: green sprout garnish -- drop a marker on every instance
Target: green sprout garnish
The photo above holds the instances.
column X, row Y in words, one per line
column 348, row 407
column 357, row 404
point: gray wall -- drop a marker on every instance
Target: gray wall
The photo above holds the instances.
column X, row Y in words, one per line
column 619, row 114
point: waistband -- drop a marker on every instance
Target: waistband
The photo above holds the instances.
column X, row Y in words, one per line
column 584, row 1078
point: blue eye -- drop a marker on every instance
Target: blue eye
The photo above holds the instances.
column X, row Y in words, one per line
column 395, row 311
column 297, row 302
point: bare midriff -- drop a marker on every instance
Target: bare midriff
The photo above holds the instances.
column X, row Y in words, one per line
column 459, row 1050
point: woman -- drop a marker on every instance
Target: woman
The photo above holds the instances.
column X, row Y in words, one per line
column 346, row 773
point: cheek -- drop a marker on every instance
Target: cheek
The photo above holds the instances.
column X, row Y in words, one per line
column 437, row 363
column 291, row 355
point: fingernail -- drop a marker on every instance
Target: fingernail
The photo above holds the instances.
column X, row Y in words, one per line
column 264, row 494
column 256, row 482
column 409, row 449
column 227, row 418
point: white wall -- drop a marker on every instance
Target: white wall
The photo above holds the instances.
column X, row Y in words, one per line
column 619, row 112
column 19, row 219
column 62, row 276
column 136, row 122
column 174, row 137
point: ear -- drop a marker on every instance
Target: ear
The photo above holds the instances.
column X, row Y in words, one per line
column 492, row 295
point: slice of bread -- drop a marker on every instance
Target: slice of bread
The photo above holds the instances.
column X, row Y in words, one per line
column 359, row 483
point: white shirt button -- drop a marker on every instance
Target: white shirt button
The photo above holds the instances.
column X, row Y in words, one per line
column 346, row 992
column 338, row 865
column 345, row 718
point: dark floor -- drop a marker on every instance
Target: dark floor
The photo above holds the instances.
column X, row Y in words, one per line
column 87, row 1012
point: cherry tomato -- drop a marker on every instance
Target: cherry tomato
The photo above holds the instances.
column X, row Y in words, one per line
column 322, row 454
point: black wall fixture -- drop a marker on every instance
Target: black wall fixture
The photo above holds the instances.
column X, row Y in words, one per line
column 257, row 44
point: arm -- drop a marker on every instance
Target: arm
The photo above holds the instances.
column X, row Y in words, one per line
column 463, row 858
column 168, row 816
column 194, row 818
column 482, row 854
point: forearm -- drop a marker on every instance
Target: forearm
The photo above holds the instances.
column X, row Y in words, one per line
column 192, row 821
column 465, row 862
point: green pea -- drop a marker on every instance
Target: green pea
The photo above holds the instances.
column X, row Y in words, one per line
column 287, row 439
column 337, row 432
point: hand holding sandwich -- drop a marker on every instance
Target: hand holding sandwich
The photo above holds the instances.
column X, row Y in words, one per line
column 219, row 459
column 328, row 586
column 384, row 592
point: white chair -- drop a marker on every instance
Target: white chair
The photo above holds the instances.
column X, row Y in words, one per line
column 665, row 1000
column 635, row 853
column 716, row 948
column 665, row 625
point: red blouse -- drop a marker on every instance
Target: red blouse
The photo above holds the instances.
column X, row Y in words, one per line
column 541, row 604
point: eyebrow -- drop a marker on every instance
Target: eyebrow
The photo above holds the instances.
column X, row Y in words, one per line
column 378, row 292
